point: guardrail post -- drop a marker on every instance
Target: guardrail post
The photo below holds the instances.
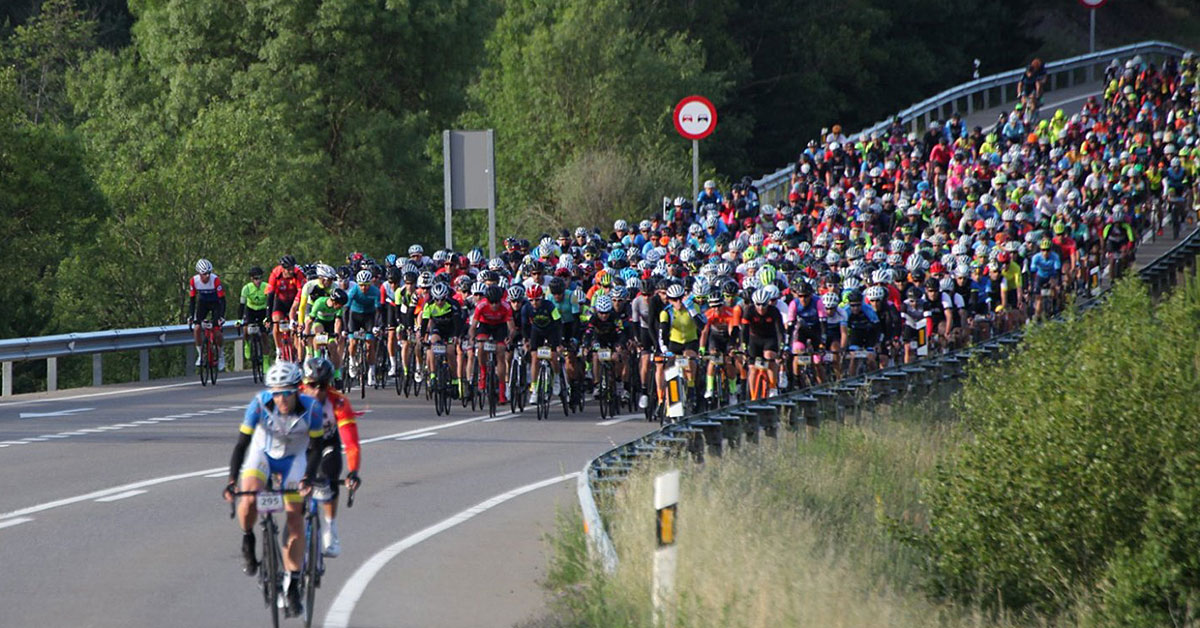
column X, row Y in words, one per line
column 144, row 365
column 237, row 355
column 189, row 359
column 6, row 387
column 97, row 369
column 51, row 374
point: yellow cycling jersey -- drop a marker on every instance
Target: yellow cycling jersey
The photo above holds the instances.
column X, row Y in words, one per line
column 683, row 325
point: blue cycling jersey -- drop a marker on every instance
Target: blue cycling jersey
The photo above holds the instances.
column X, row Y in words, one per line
column 1046, row 264
column 361, row 302
column 282, row 435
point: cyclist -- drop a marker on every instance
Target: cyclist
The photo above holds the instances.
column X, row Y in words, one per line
column 721, row 319
column 363, row 299
column 325, row 318
column 340, row 431
column 442, row 322
column 252, row 309
column 808, row 333
column 1046, row 267
column 206, row 295
column 280, row 434
column 606, row 330
column 679, row 325
column 860, row 330
column 493, row 318
column 763, row 334
column 541, row 325
column 890, row 322
column 282, row 287
column 313, row 289
column 404, row 308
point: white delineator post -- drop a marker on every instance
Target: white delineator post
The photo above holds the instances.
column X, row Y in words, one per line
column 666, row 499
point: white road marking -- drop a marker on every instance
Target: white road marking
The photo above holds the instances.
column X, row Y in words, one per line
column 106, row 428
column 620, row 419
column 34, row 439
column 52, row 436
column 110, row 393
column 90, row 430
column 343, row 605
column 15, row 522
column 125, row 495
column 145, row 422
column 36, row 415
column 125, row 425
column 431, row 428
column 219, row 474
column 416, row 436
column 103, row 493
column 500, row 417
column 15, row 442
column 73, row 433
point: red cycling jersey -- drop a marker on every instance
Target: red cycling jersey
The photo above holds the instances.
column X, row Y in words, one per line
column 285, row 284
column 488, row 314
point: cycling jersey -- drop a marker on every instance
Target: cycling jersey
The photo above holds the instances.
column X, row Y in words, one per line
column 280, row 435
column 606, row 333
column 324, row 311
column 765, row 324
column 311, row 291
column 444, row 317
column 543, row 317
column 254, row 297
column 488, row 314
column 678, row 325
column 285, row 283
column 1046, row 264
column 363, row 301
column 340, row 422
column 209, row 291
column 722, row 318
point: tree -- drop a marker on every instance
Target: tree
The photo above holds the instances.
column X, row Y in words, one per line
column 41, row 51
column 562, row 92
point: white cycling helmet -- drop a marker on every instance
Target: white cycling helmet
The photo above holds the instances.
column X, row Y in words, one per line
column 675, row 291
column 283, row 375
column 829, row 300
column 203, row 266
column 621, row 225
column 416, row 249
column 363, row 276
column 325, row 271
column 875, row 293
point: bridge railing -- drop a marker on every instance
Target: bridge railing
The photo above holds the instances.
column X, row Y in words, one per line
column 985, row 93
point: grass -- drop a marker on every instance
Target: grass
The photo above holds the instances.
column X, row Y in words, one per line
column 789, row 533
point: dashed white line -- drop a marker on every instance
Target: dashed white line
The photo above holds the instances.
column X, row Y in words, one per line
column 90, row 430
column 500, row 417
column 15, row 522
column 145, row 422
column 103, row 493
column 125, row 495
column 52, row 436
column 416, row 436
column 113, row 392
column 619, row 419
column 35, row 439
column 109, row 428
column 218, row 474
column 125, row 425
column 14, row 442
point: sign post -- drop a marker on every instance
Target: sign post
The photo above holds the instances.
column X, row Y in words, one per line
column 666, row 500
column 695, row 118
column 1091, row 6
column 469, row 177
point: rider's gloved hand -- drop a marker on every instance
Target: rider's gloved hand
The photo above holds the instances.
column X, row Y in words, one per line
column 353, row 481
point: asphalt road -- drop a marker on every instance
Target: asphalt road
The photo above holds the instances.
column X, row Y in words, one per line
column 112, row 518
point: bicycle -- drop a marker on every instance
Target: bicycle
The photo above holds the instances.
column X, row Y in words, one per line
column 208, row 365
column 287, row 347
column 359, row 358
column 491, row 389
column 543, row 384
column 758, row 380
column 254, row 339
column 441, row 391
column 381, row 364
column 270, row 572
column 518, row 380
column 606, row 383
column 570, row 392
column 650, row 388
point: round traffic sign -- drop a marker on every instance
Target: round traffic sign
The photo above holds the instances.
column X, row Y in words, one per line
column 1092, row 4
column 695, row 117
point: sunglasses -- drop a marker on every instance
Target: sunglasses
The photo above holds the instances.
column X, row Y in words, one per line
column 283, row 393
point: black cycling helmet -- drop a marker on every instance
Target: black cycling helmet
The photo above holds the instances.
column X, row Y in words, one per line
column 343, row 272
column 318, row 371
column 339, row 296
column 933, row 284
column 255, row 272
column 287, row 261
column 729, row 288
column 803, row 288
column 855, row 296
column 410, row 277
column 394, row 275
column 913, row 293
column 493, row 294
column 557, row 285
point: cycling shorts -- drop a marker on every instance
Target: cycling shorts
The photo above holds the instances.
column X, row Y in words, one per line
column 331, row 465
column 759, row 345
column 281, row 307
column 498, row 333
column 646, row 339
column 1040, row 282
column 203, row 308
column 678, row 348
column 254, row 317
column 809, row 337
column 718, row 343
column 361, row 320
column 545, row 337
column 258, row 464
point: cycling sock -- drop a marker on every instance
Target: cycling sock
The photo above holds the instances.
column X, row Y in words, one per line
column 710, row 382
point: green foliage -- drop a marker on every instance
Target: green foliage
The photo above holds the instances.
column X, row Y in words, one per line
column 41, row 51
column 571, row 84
column 1081, row 477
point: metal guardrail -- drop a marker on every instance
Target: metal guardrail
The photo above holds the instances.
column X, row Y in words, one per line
column 94, row 343
column 1061, row 74
column 714, row 430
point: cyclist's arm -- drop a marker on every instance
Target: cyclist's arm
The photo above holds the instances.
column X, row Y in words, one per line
column 348, row 431
column 220, row 299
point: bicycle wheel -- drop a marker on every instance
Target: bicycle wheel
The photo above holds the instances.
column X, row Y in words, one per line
column 361, row 351
column 401, row 378
column 602, row 386
column 270, row 568
column 513, row 384
column 543, row 392
column 311, row 564
column 214, row 357
column 493, row 386
column 444, row 383
column 651, row 391
column 256, row 370
column 564, row 388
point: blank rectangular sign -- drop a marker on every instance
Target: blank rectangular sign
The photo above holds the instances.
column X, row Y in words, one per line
column 469, row 168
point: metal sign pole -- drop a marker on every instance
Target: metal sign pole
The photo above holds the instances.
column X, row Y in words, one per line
column 491, row 175
column 446, row 177
column 695, row 169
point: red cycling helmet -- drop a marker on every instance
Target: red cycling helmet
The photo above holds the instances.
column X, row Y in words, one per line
column 534, row 292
